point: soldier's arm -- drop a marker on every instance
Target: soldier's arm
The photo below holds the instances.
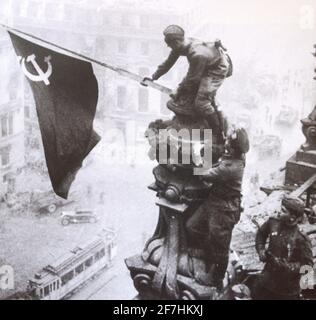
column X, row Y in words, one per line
column 306, row 252
column 219, row 173
column 166, row 66
column 262, row 236
column 305, row 257
column 194, row 75
column 225, row 171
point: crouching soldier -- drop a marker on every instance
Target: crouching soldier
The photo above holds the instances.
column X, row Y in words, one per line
column 209, row 66
column 213, row 222
column 288, row 250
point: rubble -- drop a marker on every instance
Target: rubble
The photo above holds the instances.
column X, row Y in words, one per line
column 255, row 214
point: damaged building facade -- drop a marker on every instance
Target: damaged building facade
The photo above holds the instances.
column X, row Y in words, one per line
column 11, row 117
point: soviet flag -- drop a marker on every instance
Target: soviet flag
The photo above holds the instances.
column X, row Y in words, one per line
column 65, row 90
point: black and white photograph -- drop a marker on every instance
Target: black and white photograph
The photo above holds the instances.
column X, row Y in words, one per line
column 157, row 150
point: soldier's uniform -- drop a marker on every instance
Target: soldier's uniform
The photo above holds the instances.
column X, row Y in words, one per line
column 292, row 249
column 209, row 65
column 214, row 220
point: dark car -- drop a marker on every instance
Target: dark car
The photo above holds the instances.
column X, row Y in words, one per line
column 78, row 216
column 47, row 202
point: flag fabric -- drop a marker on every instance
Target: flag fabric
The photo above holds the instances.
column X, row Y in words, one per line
column 65, row 90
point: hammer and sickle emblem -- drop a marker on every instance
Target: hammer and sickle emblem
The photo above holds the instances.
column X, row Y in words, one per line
column 41, row 75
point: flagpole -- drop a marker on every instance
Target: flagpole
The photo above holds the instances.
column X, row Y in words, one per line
column 121, row 71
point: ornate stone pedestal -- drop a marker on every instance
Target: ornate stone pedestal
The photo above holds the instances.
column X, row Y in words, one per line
column 169, row 266
column 302, row 165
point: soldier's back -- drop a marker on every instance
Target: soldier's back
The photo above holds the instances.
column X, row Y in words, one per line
column 200, row 48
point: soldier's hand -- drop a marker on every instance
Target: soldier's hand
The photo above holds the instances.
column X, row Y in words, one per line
column 286, row 266
column 174, row 95
column 143, row 83
column 262, row 256
column 292, row 267
column 278, row 263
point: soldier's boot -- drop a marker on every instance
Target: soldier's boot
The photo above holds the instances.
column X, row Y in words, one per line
column 219, row 275
column 215, row 122
column 216, row 119
column 205, row 277
column 217, row 282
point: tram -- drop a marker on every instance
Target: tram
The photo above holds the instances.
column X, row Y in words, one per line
column 64, row 276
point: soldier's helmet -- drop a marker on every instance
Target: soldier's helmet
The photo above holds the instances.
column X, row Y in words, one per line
column 239, row 140
column 173, row 32
column 295, row 206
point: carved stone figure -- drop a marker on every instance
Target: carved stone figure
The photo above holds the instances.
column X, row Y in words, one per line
column 309, row 131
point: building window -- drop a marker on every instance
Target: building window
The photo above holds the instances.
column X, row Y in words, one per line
column 99, row 255
column 121, row 97
column 9, row 180
column 144, row 48
column 79, row 269
column 11, row 124
column 10, row 183
column 96, row 256
column 88, row 263
column 27, row 112
column 122, row 46
column 5, row 158
column 143, row 100
column 46, row 291
column 6, row 125
column 67, row 277
column 102, row 253
column 5, row 178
